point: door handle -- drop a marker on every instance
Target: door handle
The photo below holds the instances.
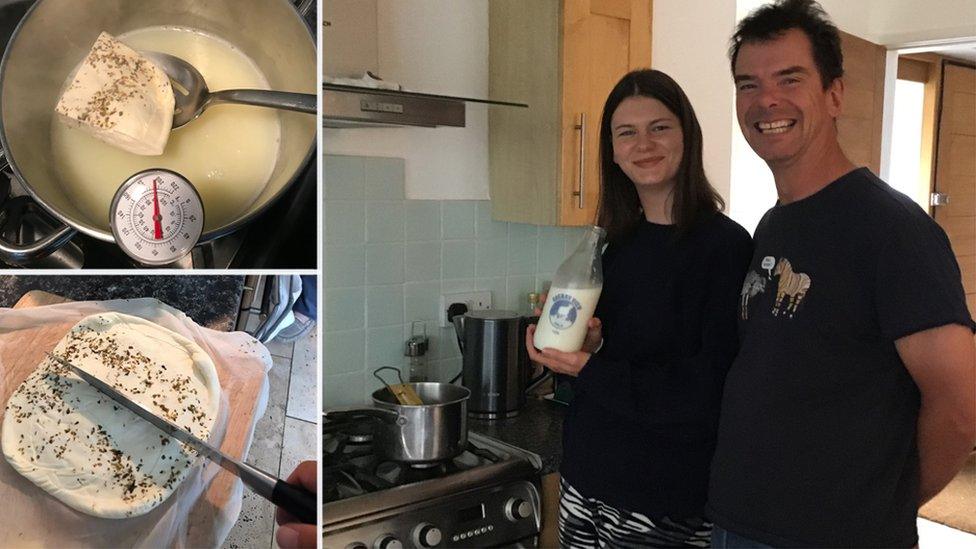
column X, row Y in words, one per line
column 582, row 154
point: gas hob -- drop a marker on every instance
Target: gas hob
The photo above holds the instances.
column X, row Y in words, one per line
column 487, row 496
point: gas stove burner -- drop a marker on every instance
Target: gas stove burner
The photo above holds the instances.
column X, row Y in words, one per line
column 360, row 435
column 423, row 465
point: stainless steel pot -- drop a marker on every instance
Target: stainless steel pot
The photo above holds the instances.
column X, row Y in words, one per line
column 434, row 431
column 55, row 34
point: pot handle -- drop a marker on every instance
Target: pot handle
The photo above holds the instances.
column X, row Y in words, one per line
column 20, row 254
column 387, row 416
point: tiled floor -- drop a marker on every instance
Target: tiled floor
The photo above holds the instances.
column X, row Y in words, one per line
column 283, row 438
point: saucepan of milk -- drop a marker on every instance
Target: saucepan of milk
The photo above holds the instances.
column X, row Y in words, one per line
column 239, row 158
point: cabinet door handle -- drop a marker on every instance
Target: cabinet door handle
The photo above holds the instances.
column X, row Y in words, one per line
column 582, row 153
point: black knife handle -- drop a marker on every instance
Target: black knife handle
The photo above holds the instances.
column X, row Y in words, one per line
column 296, row 500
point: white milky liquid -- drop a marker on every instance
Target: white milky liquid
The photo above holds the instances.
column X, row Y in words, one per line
column 228, row 153
column 562, row 325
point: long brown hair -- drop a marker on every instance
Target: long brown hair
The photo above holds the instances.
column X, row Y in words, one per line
column 694, row 197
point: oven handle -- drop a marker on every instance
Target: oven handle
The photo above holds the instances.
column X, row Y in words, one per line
column 21, row 254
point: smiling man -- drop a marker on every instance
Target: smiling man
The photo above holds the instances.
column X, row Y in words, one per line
column 853, row 398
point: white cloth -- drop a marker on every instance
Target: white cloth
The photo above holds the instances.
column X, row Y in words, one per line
column 34, row 519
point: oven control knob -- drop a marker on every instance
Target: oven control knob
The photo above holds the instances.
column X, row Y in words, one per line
column 427, row 535
column 356, row 545
column 517, row 509
column 387, row 541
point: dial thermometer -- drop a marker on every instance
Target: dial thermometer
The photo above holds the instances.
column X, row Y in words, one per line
column 157, row 216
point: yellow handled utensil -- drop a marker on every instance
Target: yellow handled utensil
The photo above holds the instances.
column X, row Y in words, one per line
column 404, row 392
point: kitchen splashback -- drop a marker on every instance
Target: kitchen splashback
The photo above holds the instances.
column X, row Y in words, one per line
column 387, row 261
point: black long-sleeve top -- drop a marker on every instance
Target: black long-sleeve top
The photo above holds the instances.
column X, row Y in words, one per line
column 640, row 431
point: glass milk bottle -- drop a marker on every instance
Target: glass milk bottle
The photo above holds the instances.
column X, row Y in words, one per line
column 572, row 298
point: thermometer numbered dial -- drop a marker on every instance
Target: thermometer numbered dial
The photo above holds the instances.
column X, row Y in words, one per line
column 157, row 217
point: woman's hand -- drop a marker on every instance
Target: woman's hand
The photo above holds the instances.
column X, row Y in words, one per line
column 557, row 361
column 594, row 330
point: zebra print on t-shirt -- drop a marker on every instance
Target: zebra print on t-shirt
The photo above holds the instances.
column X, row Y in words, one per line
column 589, row 523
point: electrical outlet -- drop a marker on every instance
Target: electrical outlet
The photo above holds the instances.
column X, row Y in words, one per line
column 474, row 300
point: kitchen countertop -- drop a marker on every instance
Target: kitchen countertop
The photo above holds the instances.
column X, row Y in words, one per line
column 211, row 301
column 538, row 428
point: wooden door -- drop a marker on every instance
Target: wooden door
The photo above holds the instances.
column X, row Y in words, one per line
column 859, row 125
column 955, row 170
column 601, row 41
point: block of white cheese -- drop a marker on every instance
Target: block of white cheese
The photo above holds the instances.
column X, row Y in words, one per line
column 120, row 97
column 93, row 454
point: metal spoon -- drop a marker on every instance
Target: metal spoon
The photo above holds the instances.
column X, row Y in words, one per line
column 193, row 97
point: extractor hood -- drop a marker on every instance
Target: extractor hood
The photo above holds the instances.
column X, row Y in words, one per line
column 345, row 106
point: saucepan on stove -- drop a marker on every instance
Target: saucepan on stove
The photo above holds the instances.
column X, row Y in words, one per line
column 56, row 35
column 428, row 433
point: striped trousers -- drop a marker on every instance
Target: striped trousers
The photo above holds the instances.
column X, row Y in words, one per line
column 589, row 523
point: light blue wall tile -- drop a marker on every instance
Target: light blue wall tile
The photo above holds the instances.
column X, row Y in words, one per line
column 384, row 306
column 458, row 259
column 384, row 221
column 421, row 301
column 486, row 226
column 344, row 309
column 384, row 178
column 522, row 230
column 522, row 255
column 492, row 257
column 459, row 218
column 447, row 345
column 552, row 249
column 449, row 368
column 344, row 177
column 344, row 266
column 384, row 347
column 543, row 281
column 344, row 352
column 498, row 288
column 518, row 293
column 422, row 261
column 422, row 220
column 345, row 222
column 384, row 264
column 343, row 390
column 573, row 237
column 459, row 285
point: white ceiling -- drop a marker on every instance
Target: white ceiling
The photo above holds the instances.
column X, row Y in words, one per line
column 965, row 53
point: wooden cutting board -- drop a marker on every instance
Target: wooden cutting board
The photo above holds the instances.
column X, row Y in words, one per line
column 242, row 387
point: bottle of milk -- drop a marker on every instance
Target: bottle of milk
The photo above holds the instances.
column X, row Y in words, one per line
column 572, row 298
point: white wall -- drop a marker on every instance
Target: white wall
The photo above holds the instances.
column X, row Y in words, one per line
column 900, row 22
column 432, row 46
column 691, row 49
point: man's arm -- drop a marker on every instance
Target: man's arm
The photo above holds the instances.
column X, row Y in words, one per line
column 942, row 361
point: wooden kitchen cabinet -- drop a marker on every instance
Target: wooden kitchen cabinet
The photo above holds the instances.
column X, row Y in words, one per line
column 562, row 57
column 349, row 31
column 549, row 536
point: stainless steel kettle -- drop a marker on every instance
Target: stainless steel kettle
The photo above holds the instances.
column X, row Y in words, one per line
column 494, row 362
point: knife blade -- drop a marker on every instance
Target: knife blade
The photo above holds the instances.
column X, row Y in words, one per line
column 295, row 499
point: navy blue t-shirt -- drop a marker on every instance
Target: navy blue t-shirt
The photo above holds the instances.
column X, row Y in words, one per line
column 640, row 432
column 817, row 438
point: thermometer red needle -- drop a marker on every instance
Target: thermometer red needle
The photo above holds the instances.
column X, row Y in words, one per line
column 157, row 218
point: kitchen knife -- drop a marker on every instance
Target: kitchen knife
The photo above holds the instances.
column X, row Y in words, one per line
column 296, row 500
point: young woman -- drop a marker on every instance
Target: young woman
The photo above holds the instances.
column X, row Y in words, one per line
column 640, row 432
